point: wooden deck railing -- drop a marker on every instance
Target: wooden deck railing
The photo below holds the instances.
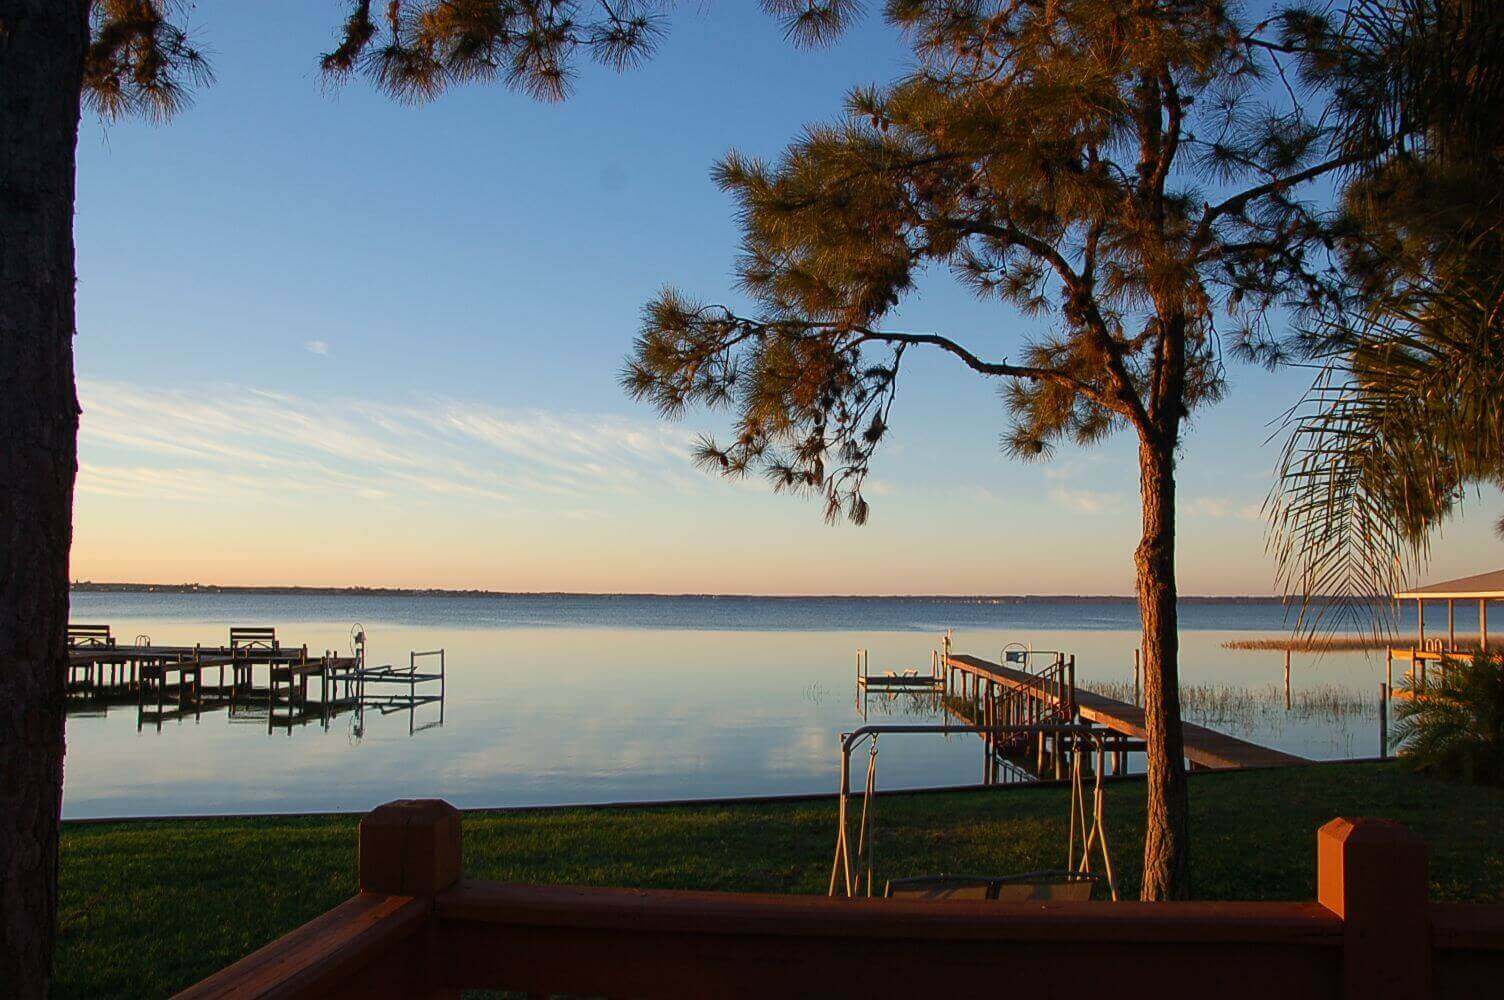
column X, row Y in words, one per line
column 418, row 929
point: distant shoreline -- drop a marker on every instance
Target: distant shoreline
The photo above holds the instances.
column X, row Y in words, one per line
column 91, row 587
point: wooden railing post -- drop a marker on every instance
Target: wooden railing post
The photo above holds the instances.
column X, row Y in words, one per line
column 410, row 847
column 1372, row 874
column 377, row 945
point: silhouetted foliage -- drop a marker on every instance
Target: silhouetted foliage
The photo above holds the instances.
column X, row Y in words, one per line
column 141, row 60
column 138, row 62
column 1454, row 724
column 420, row 47
column 1405, row 412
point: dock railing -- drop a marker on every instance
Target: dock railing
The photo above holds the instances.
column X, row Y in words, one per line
column 417, row 928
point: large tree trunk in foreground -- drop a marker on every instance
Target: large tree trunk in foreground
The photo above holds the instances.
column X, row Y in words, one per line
column 42, row 45
column 1167, row 838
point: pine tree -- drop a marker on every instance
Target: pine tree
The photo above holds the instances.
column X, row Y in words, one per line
column 132, row 57
column 1130, row 175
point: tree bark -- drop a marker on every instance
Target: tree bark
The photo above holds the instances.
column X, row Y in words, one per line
column 1167, row 838
column 42, row 45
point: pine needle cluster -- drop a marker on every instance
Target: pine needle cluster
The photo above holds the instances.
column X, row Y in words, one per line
column 140, row 63
column 414, row 49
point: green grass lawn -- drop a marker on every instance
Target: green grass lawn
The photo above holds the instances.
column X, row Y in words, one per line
column 150, row 907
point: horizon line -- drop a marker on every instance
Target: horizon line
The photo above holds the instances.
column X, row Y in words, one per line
column 88, row 586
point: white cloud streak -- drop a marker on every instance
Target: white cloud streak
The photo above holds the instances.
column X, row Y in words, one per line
column 235, row 440
column 1221, row 508
column 1085, row 501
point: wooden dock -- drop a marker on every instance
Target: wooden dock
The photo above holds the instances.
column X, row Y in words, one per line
column 169, row 681
column 1203, row 747
column 890, row 681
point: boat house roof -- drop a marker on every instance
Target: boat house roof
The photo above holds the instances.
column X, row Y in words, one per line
column 1479, row 586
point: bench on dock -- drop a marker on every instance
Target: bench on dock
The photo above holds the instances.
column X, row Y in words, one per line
column 80, row 676
column 89, row 635
column 253, row 637
column 892, row 681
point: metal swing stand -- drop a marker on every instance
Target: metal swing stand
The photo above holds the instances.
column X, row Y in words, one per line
column 848, row 867
column 1094, row 833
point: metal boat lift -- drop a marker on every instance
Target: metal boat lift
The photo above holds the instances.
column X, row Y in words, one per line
column 388, row 680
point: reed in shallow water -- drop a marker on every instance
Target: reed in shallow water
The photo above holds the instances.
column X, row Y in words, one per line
column 1330, row 643
column 1224, row 704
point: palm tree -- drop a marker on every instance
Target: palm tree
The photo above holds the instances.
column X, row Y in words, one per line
column 1456, row 725
column 1403, row 416
column 1407, row 408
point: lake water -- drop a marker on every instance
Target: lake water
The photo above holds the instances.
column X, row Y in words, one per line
column 594, row 699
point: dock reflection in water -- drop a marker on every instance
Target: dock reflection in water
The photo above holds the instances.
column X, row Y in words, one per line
column 253, row 679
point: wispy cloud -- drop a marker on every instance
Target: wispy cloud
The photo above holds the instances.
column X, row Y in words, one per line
column 236, row 440
column 1222, row 508
column 1071, row 466
column 319, row 347
column 974, row 493
column 1085, row 501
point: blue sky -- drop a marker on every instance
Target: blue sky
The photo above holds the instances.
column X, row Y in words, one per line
column 329, row 339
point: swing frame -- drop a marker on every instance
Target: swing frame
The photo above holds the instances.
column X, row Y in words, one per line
column 846, row 868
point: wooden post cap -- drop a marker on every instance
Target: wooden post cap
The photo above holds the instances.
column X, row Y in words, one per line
column 1372, row 874
column 410, row 847
column 1363, row 862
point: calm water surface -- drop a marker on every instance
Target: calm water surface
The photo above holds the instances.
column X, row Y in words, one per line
column 586, row 699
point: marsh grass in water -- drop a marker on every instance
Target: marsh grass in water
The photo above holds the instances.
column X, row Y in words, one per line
column 908, row 706
column 1252, row 707
column 1330, row 643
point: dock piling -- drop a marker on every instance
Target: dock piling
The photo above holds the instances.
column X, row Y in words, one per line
column 1383, row 721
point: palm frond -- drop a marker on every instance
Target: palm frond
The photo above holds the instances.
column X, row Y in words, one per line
column 1406, row 412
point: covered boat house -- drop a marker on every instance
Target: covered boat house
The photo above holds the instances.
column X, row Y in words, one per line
column 1481, row 587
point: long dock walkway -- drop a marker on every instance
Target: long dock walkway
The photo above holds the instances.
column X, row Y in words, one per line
column 1203, row 747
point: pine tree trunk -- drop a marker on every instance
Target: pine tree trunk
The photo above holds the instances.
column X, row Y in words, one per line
column 42, row 44
column 1167, row 838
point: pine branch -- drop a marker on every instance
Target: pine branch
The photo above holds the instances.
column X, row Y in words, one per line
column 1239, row 201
